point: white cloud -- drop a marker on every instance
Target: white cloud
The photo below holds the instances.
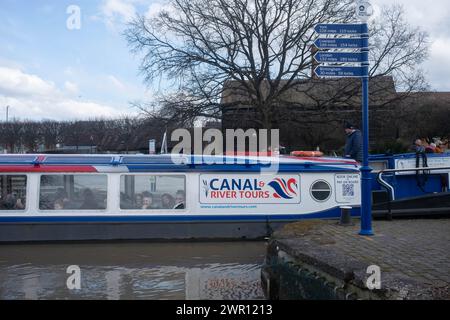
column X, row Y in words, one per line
column 433, row 17
column 15, row 82
column 56, row 109
column 71, row 87
column 421, row 13
column 438, row 65
column 31, row 97
column 440, row 50
column 114, row 12
column 10, row 63
column 123, row 8
column 88, row 109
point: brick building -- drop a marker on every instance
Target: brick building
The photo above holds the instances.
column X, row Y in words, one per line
column 312, row 112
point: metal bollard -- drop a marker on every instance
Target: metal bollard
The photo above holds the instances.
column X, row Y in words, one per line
column 346, row 218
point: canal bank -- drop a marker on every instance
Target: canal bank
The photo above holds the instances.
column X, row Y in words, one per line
column 323, row 260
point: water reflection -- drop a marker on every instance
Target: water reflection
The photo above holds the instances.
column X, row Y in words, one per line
column 217, row 270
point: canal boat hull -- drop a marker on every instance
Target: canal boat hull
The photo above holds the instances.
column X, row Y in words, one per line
column 223, row 200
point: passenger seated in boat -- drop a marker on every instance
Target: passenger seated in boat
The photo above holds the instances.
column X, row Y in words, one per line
column 11, row 202
column 61, row 195
column 180, row 199
column 433, row 147
column 58, row 205
column 8, row 203
column 89, row 201
column 440, row 146
column 168, row 202
column 147, row 201
column 138, row 201
column 19, row 204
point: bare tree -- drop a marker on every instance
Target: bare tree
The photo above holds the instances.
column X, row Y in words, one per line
column 11, row 134
column 125, row 130
column 263, row 45
column 260, row 49
column 398, row 49
column 51, row 133
column 30, row 136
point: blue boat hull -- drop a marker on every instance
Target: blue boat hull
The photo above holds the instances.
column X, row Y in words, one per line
column 205, row 227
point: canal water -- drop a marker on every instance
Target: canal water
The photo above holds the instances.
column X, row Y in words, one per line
column 142, row 270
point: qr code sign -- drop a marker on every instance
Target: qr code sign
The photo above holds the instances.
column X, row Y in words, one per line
column 348, row 190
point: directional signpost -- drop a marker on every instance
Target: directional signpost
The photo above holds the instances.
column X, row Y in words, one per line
column 331, row 71
column 356, row 39
column 341, row 43
column 341, row 28
column 341, row 57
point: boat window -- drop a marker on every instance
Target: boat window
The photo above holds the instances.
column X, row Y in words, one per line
column 73, row 192
column 152, row 192
column 13, row 192
column 320, row 190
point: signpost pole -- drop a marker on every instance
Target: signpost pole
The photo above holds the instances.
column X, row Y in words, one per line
column 363, row 10
column 366, row 199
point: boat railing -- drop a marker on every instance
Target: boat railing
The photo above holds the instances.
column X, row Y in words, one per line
column 390, row 188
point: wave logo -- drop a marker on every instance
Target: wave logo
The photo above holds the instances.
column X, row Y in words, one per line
column 283, row 189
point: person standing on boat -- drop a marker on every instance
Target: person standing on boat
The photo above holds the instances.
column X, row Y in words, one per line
column 420, row 150
column 418, row 146
column 353, row 144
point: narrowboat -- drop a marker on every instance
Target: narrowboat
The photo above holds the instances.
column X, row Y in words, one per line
column 115, row 197
column 410, row 184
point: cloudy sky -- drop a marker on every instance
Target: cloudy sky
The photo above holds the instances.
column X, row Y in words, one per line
column 50, row 72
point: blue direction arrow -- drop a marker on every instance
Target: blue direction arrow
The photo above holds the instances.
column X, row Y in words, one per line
column 342, row 57
column 328, row 71
column 341, row 28
column 342, row 43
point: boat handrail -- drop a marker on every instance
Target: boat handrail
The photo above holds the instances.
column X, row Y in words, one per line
column 390, row 188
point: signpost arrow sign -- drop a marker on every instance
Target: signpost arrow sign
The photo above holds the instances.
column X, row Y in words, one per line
column 342, row 43
column 341, row 57
column 329, row 71
column 350, row 29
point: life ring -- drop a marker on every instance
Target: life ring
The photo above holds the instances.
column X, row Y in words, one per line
column 307, row 153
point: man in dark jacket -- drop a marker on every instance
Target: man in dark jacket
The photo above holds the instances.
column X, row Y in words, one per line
column 353, row 145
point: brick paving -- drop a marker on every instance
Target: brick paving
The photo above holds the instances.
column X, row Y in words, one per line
column 412, row 251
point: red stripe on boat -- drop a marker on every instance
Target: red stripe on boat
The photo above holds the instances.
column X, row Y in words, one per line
column 46, row 168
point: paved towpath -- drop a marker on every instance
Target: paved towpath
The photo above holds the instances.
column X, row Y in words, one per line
column 413, row 255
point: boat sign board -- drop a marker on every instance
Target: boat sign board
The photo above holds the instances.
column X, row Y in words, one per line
column 341, row 43
column 249, row 189
column 341, row 28
column 330, row 71
column 431, row 162
column 341, row 57
column 347, row 187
